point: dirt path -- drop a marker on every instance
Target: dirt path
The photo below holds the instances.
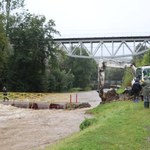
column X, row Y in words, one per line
column 23, row 129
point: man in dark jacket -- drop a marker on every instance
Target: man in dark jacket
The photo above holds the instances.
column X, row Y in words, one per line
column 5, row 93
column 146, row 91
column 136, row 89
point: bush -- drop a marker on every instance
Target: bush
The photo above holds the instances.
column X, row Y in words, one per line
column 75, row 89
column 87, row 89
column 120, row 90
column 87, row 122
column 127, row 78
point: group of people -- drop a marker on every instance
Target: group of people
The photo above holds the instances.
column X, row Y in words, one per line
column 143, row 88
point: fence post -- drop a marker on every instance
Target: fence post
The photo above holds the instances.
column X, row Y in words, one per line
column 70, row 98
column 76, row 98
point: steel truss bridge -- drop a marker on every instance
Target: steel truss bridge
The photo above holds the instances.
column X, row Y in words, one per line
column 104, row 47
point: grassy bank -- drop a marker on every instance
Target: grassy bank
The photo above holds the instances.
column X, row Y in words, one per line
column 118, row 126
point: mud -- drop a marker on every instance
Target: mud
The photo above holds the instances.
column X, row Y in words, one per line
column 26, row 129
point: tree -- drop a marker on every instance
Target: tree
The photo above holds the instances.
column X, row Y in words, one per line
column 31, row 37
column 146, row 59
column 114, row 74
column 84, row 70
column 3, row 51
column 60, row 80
column 8, row 11
column 3, row 38
column 137, row 59
column 127, row 78
column 9, row 8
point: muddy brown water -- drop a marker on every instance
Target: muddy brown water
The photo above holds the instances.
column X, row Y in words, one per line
column 26, row 129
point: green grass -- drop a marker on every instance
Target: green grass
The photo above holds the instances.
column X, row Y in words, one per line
column 119, row 126
column 120, row 90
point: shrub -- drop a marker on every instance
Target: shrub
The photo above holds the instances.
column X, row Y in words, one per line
column 75, row 89
column 87, row 122
column 87, row 89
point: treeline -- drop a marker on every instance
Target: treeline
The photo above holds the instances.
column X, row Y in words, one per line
column 29, row 59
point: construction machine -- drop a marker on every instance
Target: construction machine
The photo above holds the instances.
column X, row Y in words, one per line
column 140, row 73
column 137, row 72
column 101, row 73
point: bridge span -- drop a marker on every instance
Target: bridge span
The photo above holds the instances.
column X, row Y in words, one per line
column 104, row 47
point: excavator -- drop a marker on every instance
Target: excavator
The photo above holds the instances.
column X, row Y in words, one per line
column 137, row 72
column 140, row 72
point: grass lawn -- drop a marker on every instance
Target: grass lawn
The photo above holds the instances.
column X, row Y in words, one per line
column 119, row 126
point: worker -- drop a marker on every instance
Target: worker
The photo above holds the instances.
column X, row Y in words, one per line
column 136, row 89
column 5, row 94
column 146, row 91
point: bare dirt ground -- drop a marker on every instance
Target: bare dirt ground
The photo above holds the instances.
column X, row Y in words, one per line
column 26, row 129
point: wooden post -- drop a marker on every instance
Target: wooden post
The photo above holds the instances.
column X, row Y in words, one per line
column 76, row 98
column 70, row 98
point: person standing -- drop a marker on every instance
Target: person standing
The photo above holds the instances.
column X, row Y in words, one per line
column 136, row 89
column 5, row 94
column 146, row 91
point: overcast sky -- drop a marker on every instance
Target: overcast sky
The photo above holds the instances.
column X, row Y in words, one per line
column 95, row 17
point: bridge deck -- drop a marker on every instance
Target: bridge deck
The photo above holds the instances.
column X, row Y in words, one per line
column 106, row 39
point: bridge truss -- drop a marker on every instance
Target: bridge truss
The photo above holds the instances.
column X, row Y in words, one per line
column 104, row 47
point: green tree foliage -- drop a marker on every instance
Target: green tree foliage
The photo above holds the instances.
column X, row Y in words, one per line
column 35, row 64
column 9, row 8
column 84, row 70
column 138, row 59
column 3, row 51
column 60, row 80
column 3, row 38
column 146, row 59
column 2, row 34
column 30, row 39
column 114, row 74
column 127, row 78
